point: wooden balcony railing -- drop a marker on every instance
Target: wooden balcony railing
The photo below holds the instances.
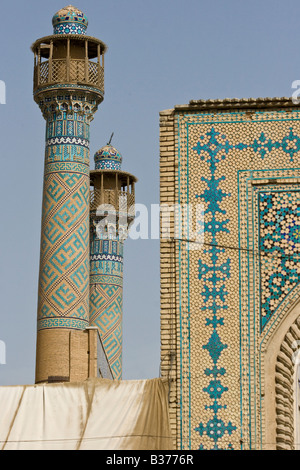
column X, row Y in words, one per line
column 122, row 201
column 69, row 71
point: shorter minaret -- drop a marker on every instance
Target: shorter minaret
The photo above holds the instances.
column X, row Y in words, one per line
column 111, row 214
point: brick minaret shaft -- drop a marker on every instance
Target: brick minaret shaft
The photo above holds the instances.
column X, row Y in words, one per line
column 68, row 87
column 111, row 212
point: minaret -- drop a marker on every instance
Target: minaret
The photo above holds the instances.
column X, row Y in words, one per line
column 68, row 87
column 111, row 213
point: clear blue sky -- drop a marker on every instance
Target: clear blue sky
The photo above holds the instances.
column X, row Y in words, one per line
column 160, row 53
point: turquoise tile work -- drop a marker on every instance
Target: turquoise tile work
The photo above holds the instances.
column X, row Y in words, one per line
column 235, row 291
column 214, row 276
column 279, row 247
column 64, row 267
column 69, row 20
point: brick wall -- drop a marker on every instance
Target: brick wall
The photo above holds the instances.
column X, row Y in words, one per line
column 167, row 261
column 66, row 356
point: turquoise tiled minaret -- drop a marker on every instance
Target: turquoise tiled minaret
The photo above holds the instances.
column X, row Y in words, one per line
column 112, row 212
column 68, row 87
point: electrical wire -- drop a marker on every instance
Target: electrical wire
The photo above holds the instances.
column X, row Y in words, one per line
column 230, row 247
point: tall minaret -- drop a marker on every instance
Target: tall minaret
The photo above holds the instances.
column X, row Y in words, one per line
column 68, row 87
column 111, row 212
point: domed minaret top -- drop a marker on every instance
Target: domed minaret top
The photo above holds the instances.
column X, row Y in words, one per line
column 108, row 158
column 69, row 20
column 69, row 58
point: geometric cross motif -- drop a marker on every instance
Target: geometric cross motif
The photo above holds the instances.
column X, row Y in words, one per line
column 279, row 251
column 214, row 276
column 263, row 146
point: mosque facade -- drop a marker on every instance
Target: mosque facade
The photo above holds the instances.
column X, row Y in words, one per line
column 230, row 328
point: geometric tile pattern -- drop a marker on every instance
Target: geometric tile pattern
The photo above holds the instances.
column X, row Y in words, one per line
column 279, row 248
column 64, row 266
column 244, row 167
column 215, row 275
column 272, row 269
column 106, row 297
column 108, row 158
column 269, row 277
column 69, row 20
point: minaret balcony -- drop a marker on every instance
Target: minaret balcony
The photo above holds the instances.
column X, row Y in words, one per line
column 61, row 60
column 121, row 201
column 112, row 191
column 76, row 71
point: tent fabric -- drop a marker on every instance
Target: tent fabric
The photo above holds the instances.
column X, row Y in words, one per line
column 97, row 414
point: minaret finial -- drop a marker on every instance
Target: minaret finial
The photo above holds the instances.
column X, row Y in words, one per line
column 109, row 143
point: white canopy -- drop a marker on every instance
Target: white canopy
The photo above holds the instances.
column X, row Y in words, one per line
column 95, row 414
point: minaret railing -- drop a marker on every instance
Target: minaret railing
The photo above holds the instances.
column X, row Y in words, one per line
column 119, row 199
column 54, row 71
